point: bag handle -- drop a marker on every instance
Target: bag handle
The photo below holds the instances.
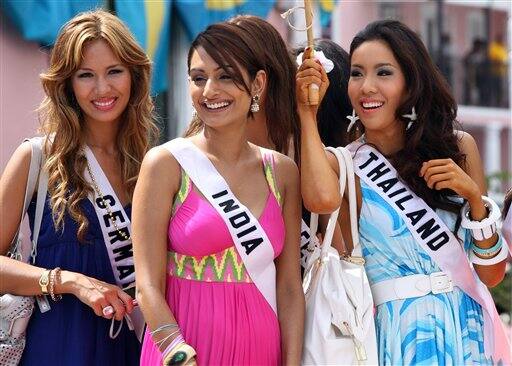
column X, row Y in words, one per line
column 42, row 188
column 346, row 176
column 352, row 200
column 33, row 172
column 331, row 225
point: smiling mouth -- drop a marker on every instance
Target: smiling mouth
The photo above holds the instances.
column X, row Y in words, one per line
column 371, row 105
column 104, row 104
column 216, row 106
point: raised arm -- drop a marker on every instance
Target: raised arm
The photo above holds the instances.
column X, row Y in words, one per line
column 290, row 297
column 318, row 177
column 156, row 186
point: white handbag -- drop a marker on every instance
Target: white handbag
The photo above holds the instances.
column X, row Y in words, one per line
column 15, row 311
column 339, row 326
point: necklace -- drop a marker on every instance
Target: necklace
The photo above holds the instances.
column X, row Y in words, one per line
column 105, row 204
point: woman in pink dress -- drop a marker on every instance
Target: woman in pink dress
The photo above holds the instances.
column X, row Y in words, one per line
column 198, row 293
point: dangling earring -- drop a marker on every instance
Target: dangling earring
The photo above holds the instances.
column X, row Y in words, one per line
column 411, row 117
column 194, row 112
column 255, row 105
column 353, row 119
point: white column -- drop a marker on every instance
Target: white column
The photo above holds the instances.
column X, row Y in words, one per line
column 492, row 163
column 179, row 102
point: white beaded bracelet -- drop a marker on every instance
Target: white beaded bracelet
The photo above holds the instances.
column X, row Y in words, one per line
column 481, row 230
column 501, row 256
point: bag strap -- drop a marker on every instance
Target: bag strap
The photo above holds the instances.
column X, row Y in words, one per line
column 331, row 225
column 32, row 179
column 352, row 200
column 346, row 177
column 42, row 189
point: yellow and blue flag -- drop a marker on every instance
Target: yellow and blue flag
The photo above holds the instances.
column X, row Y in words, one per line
column 149, row 21
column 326, row 9
column 41, row 20
column 196, row 15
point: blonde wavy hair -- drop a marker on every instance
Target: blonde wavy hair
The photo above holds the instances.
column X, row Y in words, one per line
column 62, row 119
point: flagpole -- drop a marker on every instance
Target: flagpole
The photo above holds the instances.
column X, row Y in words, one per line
column 308, row 10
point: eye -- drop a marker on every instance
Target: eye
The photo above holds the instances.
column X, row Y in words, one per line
column 384, row 72
column 355, row 73
column 225, row 77
column 115, row 71
column 198, row 79
column 86, row 74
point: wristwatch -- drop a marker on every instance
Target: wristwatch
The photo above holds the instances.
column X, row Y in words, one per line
column 44, row 281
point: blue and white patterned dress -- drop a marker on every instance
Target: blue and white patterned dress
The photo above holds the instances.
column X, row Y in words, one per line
column 442, row 329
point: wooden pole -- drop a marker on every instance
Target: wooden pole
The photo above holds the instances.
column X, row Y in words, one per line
column 308, row 10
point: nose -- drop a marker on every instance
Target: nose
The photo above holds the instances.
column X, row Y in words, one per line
column 102, row 86
column 210, row 89
column 368, row 86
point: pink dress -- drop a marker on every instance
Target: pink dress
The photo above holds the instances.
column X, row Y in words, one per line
column 221, row 313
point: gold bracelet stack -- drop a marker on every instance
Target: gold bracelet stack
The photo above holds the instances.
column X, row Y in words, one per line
column 54, row 278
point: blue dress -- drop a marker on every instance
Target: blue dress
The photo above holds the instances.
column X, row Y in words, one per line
column 442, row 329
column 70, row 333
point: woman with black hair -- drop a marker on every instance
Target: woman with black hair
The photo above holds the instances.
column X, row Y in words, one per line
column 415, row 173
column 335, row 106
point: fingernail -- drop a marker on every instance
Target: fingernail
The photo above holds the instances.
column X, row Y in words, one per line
column 314, row 86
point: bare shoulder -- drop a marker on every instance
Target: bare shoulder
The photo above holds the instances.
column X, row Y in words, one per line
column 18, row 165
column 285, row 166
column 466, row 142
column 160, row 166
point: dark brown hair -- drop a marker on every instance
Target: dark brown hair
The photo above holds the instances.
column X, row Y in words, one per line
column 254, row 44
column 432, row 135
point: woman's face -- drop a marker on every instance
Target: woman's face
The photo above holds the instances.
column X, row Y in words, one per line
column 376, row 86
column 215, row 96
column 102, row 84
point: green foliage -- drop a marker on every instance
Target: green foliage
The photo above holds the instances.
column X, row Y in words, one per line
column 502, row 294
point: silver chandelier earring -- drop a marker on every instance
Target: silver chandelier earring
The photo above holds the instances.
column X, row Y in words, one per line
column 194, row 112
column 412, row 117
column 255, row 105
column 353, row 119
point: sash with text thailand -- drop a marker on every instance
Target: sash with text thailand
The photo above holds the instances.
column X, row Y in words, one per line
column 250, row 239
column 434, row 237
column 119, row 249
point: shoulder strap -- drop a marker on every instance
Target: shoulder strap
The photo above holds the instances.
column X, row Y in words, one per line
column 269, row 168
column 36, row 162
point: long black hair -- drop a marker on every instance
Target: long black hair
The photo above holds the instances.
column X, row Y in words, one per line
column 331, row 115
column 432, row 136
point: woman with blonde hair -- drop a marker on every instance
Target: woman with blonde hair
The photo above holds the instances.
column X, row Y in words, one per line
column 97, row 124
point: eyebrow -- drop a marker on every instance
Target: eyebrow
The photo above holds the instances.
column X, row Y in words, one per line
column 218, row 68
column 108, row 67
column 376, row 66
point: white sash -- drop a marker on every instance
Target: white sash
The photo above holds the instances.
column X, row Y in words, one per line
column 120, row 250
column 250, row 239
column 434, row 237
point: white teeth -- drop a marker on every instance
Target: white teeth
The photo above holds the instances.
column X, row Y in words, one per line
column 216, row 105
column 104, row 104
column 372, row 104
